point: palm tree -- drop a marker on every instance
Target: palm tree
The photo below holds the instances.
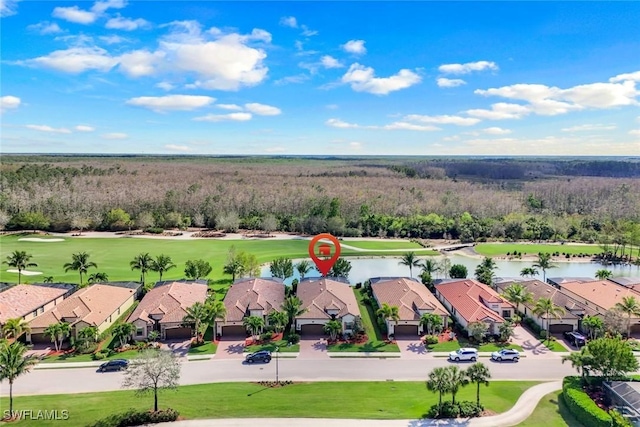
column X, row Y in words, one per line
column 89, row 333
column 278, row 319
column 580, row 361
column 430, row 322
column 389, row 313
column 20, row 260
column 548, row 308
column 196, row 314
column 528, row 272
column 122, row 332
column 603, row 274
column 142, row 262
column 430, row 266
column 485, row 271
column 333, row 328
column 80, row 263
column 215, row 310
column 341, row 268
column 630, row 306
column 458, row 379
column 162, row 264
column 439, row 381
column 517, row 294
column 48, row 279
column 594, row 325
column 97, row 278
column 544, row 263
column 478, row 373
column 13, row 328
column 14, row 363
column 234, row 267
column 254, row 325
column 410, row 260
column 303, row 268
column 293, row 307
column 52, row 331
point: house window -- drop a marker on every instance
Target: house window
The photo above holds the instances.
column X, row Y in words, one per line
column 41, row 310
column 139, row 332
column 35, row 313
column 506, row 314
column 348, row 325
column 118, row 310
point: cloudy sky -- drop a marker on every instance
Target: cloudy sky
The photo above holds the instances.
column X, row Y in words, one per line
column 410, row 78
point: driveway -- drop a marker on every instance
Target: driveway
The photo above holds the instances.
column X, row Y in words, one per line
column 313, row 347
column 411, row 347
column 178, row 347
column 531, row 345
column 230, row 348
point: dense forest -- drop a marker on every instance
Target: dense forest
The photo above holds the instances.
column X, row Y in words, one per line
column 474, row 199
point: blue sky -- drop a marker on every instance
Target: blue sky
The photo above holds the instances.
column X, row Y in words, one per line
column 351, row 78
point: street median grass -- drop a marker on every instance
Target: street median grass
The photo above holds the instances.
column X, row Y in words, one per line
column 448, row 346
column 353, row 400
column 494, row 249
column 282, row 345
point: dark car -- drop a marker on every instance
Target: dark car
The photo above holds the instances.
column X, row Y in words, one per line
column 114, row 365
column 259, row 356
column 575, row 338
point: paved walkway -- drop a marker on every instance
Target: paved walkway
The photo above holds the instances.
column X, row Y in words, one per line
column 520, row 412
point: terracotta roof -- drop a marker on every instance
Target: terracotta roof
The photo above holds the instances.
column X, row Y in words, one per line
column 171, row 300
column 603, row 293
column 319, row 295
column 93, row 305
column 20, row 300
column 466, row 297
column 257, row 294
column 409, row 296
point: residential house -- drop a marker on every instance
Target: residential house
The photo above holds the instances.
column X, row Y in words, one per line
column 574, row 310
column 413, row 300
column 164, row 307
column 629, row 282
column 471, row 301
column 250, row 297
column 557, row 281
column 324, row 300
column 96, row 305
column 30, row 301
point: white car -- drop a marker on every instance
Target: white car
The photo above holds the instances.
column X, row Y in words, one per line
column 506, row 354
column 464, row 354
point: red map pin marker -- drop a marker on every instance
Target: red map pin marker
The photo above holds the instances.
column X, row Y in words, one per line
column 322, row 255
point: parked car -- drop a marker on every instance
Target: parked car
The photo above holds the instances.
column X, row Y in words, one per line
column 259, row 356
column 114, row 365
column 575, row 338
column 464, row 354
column 506, row 354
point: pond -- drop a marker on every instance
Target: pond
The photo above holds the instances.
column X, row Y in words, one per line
column 366, row 268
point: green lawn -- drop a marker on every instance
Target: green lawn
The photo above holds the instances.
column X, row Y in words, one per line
column 382, row 245
column 555, row 346
column 209, row 346
column 551, row 412
column 282, row 345
column 129, row 354
column 368, row 400
column 114, row 254
column 493, row 249
column 448, row 346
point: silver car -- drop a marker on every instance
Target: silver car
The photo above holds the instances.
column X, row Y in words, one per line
column 464, row 354
column 506, row 354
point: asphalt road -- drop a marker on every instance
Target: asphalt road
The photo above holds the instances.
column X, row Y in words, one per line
column 83, row 380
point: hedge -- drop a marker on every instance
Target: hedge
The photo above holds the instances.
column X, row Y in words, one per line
column 583, row 408
column 137, row 418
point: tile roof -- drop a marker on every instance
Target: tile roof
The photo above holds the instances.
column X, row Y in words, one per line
column 93, row 305
column 467, row 297
column 20, row 300
column 319, row 295
column 409, row 296
column 171, row 299
column 256, row 293
column 603, row 293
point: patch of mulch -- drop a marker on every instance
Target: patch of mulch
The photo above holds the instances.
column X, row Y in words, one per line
column 487, row 413
column 208, row 233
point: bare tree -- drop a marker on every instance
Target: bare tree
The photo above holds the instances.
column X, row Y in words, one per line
column 153, row 371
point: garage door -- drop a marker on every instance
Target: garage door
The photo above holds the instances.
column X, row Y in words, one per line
column 406, row 331
column 559, row 328
column 235, row 331
column 635, row 329
column 312, row 330
column 177, row 333
column 40, row 339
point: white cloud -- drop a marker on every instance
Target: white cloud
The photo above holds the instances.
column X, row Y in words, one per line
column 467, row 68
column 182, row 148
column 289, row 21
column 102, row 6
column 238, row 117
column 161, row 104
column 231, row 107
column 84, row 128
column 114, row 135
column 409, row 126
column 588, row 127
column 8, row 7
column 45, row 128
column 165, row 86
column 355, row 145
column 500, row 111
column 74, row 14
column 337, row 123
column 330, row 62
column 443, row 120
column 140, row 62
column 126, row 24
column 635, row 76
column 76, row 60
column 496, row 131
column 297, row 79
column 113, row 39
column 9, row 102
column 362, row 79
column 45, row 27
column 262, row 109
column 635, row 132
column 307, row 32
column 355, row 47
column 444, row 82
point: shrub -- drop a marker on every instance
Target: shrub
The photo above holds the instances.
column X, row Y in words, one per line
column 583, row 408
column 469, row 409
column 449, row 410
column 98, row 356
column 137, row 418
column 430, row 340
column 266, row 336
column 619, row 420
column 154, row 230
column 293, row 338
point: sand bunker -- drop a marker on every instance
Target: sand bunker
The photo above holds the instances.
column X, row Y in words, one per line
column 25, row 272
column 39, row 239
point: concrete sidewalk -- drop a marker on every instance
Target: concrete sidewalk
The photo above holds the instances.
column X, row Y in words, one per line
column 520, row 412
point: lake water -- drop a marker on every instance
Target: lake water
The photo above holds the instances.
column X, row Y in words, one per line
column 365, row 268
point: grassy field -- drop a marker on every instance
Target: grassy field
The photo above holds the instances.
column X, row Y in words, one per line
column 381, row 245
column 494, row 249
column 113, row 255
column 368, row 400
column 551, row 412
column 448, row 346
column 282, row 345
